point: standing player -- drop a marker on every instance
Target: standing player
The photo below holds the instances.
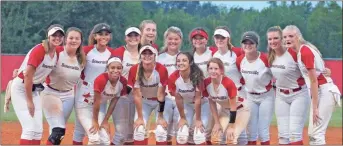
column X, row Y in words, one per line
column 124, row 113
column 25, row 88
column 97, row 54
column 325, row 94
column 107, row 86
column 228, row 54
column 186, row 84
column 254, row 68
column 148, row 80
column 149, row 33
column 58, row 94
column 172, row 44
column 202, row 53
column 292, row 99
column 233, row 114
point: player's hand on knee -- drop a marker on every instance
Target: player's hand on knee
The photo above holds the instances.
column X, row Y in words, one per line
column 138, row 122
column 31, row 108
column 105, row 125
column 15, row 73
column 217, row 129
column 316, row 118
column 182, row 122
column 230, row 133
column 162, row 122
column 95, row 127
column 199, row 126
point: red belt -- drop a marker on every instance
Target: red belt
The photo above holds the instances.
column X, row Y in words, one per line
column 288, row 91
column 238, row 107
column 258, row 93
column 151, row 98
column 240, row 88
column 85, row 83
column 58, row 90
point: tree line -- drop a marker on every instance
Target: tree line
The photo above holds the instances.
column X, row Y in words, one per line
column 24, row 23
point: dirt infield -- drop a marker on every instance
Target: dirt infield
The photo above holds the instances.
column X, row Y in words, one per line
column 10, row 134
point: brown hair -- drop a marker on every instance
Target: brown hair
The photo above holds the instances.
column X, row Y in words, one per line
column 142, row 26
column 190, row 38
column 171, row 29
column 217, row 61
column 196, row 75
column 271, row 52
column 140, row 72
column 80, row 54
column 45, row 43
column 91, row 37
column 229, row 44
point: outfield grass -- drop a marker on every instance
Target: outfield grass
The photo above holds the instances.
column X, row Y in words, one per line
column 336, row 119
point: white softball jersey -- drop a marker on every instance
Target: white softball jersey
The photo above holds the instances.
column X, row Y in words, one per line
column 149, row 87
column 176, row 84
column 96, row 63
column 229, row 60
column 66, row 73
column 257, row 75
column 127, row 60
column 202, row 60
column 225, row 91
column 43, row 63
column 168, row 61
column 107, row 90
column 308, row 58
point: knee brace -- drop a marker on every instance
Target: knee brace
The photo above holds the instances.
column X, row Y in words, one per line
column 160, row 134
column 199, row 137
column 139, row 133
column 182, row 135
column 57, row 135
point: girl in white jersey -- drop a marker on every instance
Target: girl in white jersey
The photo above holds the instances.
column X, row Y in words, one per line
column 229, row 111
column 148, row 80
column 292, row 100
column 124, row 112
column 186, row 84
column 227, row 53
column 149, row 33
column 58, row 94
column 202, row 54
column 25, row 88
column 97, row 54
column 108, row 86
column 325, row 94
column 172, row 44
column 257, row 76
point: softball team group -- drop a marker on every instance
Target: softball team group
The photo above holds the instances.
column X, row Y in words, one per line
column 218, row 94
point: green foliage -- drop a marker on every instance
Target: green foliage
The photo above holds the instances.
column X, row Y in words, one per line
column 24, row 23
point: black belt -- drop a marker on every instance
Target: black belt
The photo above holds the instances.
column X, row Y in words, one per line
column 58, row 90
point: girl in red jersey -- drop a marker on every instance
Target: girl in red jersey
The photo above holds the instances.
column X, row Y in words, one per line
column 124, row 112
column 97, row 54
column 108, row 86
column 325, row 94
column 228, row 54
column 292, row 99
column 172, row 45
column 58, row 94
column 230, row 112
column 25, row 88
column 257, row 76
column 149, row 33
column 148, row 80
column 186, row 84
column 202, row 54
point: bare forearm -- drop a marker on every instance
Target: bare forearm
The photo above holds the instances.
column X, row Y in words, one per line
column 233, row 104
column 111, row 108
column 197, row 104
column 138, row 103
column 180, row 106
column 214, row 111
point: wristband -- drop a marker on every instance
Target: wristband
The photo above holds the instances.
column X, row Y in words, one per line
column 128, row 89
column 233, row 116
column 161, row 106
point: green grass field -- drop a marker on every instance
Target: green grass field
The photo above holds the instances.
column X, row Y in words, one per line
column 336, row 119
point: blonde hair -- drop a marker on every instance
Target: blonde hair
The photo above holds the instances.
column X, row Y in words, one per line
column 142, row 26
column 271, row 52
column 229, row 44
column 172, row 29
column 301, row 39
